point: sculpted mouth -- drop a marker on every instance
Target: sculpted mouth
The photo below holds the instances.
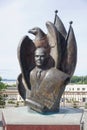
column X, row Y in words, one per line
column 39, row 62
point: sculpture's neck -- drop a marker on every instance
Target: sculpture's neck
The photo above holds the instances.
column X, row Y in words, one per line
column 42, row 68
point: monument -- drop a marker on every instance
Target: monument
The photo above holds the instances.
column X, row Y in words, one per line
column 47, row 64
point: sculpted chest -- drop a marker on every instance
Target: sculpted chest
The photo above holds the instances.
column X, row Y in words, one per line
column 36, row 77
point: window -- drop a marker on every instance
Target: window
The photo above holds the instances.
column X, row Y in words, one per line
column 69, row 89
column 83, row 89
column 73, row 89
column 78, row 89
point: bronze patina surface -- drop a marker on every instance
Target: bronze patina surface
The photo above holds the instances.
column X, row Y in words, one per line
column 47, row 64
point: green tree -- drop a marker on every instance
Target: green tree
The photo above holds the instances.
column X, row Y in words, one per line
column 79, row 80
column 2, row 88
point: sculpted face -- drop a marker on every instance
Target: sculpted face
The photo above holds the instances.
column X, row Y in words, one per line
column 40, row 56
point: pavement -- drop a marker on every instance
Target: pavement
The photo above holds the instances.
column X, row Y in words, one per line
column 84, row 119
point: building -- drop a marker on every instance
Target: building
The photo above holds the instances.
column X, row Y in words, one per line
column 11, row 93
column 75, row 93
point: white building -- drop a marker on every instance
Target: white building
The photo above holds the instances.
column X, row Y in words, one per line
column 73, row 92
column 76, row 92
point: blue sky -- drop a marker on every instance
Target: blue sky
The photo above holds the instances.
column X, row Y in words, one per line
column 18, row 16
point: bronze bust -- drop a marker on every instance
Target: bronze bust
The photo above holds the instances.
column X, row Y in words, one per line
column 47, row 64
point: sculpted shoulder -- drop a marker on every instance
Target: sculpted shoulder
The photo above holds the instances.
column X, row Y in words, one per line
column 55, row 73
column 33, row 72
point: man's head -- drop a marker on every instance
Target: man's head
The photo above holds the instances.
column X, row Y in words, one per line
column 40, row 56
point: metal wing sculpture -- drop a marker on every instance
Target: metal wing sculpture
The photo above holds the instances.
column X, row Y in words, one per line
column 61, row 62
column 68, row 46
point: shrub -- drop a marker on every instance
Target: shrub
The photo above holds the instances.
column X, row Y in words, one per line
column 86, row 105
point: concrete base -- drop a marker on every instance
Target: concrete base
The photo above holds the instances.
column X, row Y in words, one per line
column 23, row 119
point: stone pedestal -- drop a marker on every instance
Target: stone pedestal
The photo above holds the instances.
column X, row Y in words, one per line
column 23, row 119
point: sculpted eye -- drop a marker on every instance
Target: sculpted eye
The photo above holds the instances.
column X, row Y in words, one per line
column 36, row 55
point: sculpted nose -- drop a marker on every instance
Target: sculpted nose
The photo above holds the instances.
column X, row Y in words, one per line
column 39, row 57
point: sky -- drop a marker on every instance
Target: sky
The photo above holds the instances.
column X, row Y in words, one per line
column 18, row 16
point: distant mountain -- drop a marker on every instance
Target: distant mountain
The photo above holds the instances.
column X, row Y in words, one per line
column 8, row 79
